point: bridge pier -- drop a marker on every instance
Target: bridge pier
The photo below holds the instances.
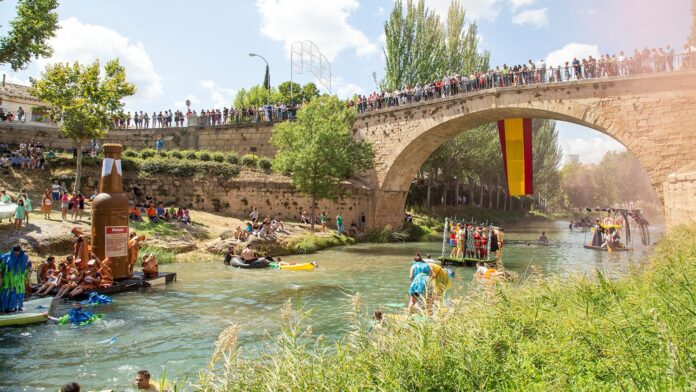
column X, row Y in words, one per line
column 388, row 208
column 679, row 193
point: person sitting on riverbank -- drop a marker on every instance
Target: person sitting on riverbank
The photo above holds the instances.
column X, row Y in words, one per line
column 239, row 234
column 152, row 214
column 277, row 224
column 305, row 218
column 134, row 214
column 150, row 266
column 161, row 213
column 183, row 216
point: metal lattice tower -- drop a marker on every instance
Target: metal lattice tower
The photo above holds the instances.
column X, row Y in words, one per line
column 306, row 57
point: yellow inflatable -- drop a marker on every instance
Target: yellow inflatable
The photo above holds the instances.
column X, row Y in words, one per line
column 298, row 267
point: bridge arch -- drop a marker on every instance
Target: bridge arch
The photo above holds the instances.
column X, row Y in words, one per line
column 654, row 116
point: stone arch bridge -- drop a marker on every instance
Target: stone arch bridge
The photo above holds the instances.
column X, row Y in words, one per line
column 653, row 115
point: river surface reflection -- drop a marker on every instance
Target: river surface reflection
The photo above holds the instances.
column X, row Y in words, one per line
column 174, row 327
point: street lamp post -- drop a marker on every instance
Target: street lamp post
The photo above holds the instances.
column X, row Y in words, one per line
column 269, row 74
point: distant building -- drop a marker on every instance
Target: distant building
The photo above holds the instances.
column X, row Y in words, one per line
column 572, row 158
column 13, row 96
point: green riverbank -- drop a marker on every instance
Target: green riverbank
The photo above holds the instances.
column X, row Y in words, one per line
column 573, row 333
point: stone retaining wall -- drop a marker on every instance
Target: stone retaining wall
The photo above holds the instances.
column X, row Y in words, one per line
column 242, row 139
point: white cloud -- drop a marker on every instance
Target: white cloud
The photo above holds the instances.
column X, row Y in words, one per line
column 321, row 21
column 219, row 96
column 77, row 41
column 571, row 50
column 592, row 149
column 537, row 18
column 344, row 89
column 520, row 3
column 475, row 9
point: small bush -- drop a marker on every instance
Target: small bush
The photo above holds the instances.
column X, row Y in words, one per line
column 176, row 154
column 130, row 154
column 232, row 158
column 187, row 168
column 203, row 156
column 162, row 154
column 265, row 164
column 147, row 153
column 218, row 157
column 190, row 155
column 249, row 160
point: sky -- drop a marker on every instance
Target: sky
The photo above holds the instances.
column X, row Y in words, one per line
column 177, row 50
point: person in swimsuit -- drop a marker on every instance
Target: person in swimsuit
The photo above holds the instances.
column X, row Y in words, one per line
column 133, row 249
column 46, row 204
column 70, row 280
column 420, row 276
column 42, row 271
column 54, row 278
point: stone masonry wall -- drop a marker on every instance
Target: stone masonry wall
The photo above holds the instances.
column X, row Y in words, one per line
column 680, row 193
column 236, row 198
column 242, row 139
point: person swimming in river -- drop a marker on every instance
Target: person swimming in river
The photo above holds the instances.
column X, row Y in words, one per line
column 543, row 240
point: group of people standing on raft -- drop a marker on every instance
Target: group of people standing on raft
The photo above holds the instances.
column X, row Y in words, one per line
column 475, row 242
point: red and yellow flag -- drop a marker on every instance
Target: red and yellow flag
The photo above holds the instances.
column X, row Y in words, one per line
column 516, row 144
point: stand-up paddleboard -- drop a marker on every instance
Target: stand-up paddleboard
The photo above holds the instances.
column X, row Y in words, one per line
column 33, row 313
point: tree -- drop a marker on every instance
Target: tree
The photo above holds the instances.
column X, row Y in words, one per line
column 420, row 47
column 309, row 92
column 318, row 150
column 267, row 79
column 35, row 24
column 82, row 101
column 290, row 92
column 256, row 96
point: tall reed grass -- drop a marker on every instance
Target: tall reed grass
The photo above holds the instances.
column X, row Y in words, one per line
column 545, row 334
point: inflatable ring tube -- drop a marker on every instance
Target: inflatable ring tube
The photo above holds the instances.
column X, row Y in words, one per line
column 258, row 263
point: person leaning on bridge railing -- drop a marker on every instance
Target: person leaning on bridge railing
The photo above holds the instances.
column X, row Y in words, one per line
column 645, row 61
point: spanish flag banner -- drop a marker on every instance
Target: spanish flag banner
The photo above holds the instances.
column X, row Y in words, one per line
column 516, row 145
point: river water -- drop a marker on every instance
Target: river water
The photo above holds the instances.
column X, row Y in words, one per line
column 175, row 327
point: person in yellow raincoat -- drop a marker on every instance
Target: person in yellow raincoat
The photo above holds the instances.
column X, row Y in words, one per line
column 440, row 281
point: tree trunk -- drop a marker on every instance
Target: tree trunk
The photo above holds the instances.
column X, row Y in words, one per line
column 471, row 195
column 481, row 195
column 490, row 198
column 427, row 197
column 456, row 192
column 497, row 195
column 78, row 168
column 311, row 226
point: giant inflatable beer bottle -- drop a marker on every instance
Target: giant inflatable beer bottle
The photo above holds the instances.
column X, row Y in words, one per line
column 110, row 214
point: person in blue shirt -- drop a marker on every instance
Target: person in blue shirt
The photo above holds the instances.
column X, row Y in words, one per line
column 159, row 144
column 420, row 276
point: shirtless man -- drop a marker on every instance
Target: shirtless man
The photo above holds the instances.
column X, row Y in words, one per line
column 248, row 255
column 142, row 382
column 133, row 249
column 42, row 271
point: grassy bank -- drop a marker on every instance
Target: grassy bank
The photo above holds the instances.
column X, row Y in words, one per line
column 635, row 333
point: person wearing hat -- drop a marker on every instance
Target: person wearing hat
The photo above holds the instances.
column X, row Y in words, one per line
column 14, row 269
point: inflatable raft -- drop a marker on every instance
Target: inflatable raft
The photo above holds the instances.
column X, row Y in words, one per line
column 237, row 262
column 33, row 313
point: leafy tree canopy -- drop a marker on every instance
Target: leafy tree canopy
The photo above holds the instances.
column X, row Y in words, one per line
column 35, row 24
column 81, row 100
column 318, row 150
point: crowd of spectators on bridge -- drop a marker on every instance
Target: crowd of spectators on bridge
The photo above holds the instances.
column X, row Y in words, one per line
column 206, row 117
column 644, row 61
